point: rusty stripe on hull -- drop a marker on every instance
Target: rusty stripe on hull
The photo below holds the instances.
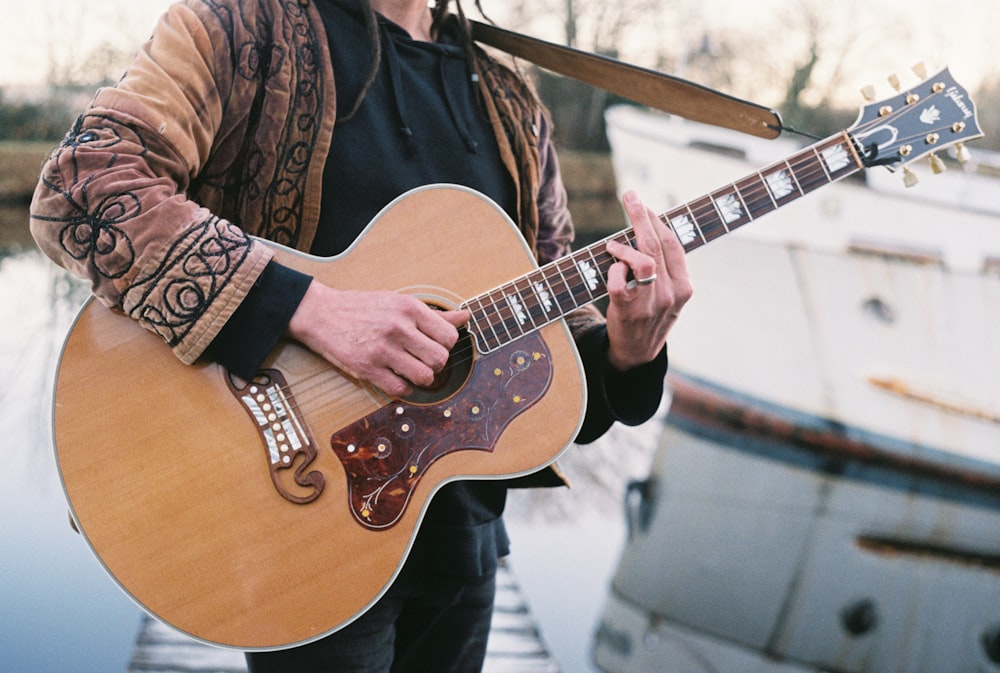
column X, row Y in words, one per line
column 743, row 421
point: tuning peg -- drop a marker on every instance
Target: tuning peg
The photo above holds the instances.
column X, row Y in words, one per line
column 920, row 70
column 909, row 177
column 894, row 82
column 937, row 166
column 962, row 153
column 868, row 93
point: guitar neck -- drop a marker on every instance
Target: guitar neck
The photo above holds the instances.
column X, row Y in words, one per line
column 549, row 293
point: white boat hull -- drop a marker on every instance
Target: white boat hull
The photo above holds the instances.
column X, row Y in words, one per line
column 827, row 489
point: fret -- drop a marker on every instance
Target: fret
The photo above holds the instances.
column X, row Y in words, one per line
column 588, row 285
column 519, row 318
column 781, row 184
column 755, row 196
column 475, row 324
column 564, row 295
column 694, row 221
column 814, row 175
column 516, row 321
column 767, row 186
column 708, row 219
column 544, row 295
column 601, row 265
column 498, row 321
column 849, row 159
column 836, row 158
column 529, row 303
column 730, row 208
column 795, row 178
column 685, row 226
column 720, row 211
column 822, row 164
column 557, row 285
column 484, row 326
column 590, row 278
column 743, row 202
column 626, row 237
column 495, row 318
column 605, row 260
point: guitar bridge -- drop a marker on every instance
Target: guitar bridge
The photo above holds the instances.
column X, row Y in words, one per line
column 268, row 400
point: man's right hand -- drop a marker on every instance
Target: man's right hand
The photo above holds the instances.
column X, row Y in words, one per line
column 391, row 340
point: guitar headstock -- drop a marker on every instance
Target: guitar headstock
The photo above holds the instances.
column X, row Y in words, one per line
column 934, row 115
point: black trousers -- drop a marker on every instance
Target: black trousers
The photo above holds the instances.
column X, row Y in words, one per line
column 424, row 624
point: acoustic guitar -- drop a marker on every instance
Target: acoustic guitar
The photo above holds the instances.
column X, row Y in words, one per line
column 267, row 513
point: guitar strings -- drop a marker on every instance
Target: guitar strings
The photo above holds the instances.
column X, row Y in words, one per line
column 808, row 173
column 807, row 170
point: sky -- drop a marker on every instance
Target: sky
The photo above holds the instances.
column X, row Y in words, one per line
column 886, row 36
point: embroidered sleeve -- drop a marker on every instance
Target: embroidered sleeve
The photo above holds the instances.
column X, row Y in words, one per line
column 111, row 203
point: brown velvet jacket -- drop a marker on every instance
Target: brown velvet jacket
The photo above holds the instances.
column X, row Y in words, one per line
column 218, row 133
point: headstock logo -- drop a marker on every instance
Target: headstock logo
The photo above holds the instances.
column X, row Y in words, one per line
column 959, row 99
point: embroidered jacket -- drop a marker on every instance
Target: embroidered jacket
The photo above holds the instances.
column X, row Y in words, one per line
column 219, row 131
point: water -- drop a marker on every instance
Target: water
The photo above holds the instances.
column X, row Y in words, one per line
column 565, row 570
column 566, row 543
column 60, row 612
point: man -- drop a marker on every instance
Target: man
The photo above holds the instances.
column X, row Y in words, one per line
column 297, row 122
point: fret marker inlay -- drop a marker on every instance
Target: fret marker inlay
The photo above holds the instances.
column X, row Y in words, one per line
column 544, row 298
column 836, row 157
column 684, row 228
column 589, row 274
column 730, row 208
column 780, row 183
column 517, row 309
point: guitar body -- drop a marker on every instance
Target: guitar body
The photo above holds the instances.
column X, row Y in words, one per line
column 252, row 545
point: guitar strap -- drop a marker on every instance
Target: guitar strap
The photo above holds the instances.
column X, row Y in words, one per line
column 648, row 87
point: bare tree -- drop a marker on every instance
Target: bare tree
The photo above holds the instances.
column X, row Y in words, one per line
column 90, row 44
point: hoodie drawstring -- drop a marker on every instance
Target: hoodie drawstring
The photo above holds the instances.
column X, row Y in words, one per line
column 392, row 63
column 456, row 117
column 395, row 77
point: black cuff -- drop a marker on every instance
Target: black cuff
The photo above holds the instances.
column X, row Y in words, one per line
column 255, row 327
column 630, row 397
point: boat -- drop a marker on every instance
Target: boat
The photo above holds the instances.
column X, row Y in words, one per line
column 825, row 492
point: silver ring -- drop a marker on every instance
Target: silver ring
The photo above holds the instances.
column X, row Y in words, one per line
column 646, row 281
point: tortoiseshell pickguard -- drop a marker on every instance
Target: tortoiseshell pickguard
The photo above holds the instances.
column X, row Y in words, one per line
column 387, row 452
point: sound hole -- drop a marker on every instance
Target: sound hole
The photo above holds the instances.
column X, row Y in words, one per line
column 450, row 379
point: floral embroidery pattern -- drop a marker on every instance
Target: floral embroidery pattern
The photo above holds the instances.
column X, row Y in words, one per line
column 92, row 232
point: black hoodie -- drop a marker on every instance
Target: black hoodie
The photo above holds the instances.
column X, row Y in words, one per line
column 420, row 123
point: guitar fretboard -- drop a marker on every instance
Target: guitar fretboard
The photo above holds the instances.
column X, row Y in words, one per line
column 536, row 299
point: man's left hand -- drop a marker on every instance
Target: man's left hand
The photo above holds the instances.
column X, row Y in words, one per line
column 647, row 288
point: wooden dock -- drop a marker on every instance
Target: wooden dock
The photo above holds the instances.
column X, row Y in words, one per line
column 516, row 644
